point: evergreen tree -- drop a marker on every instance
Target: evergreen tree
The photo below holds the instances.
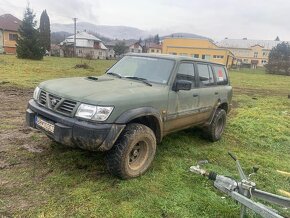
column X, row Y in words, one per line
column 279, row 59
column 28, row 44
column 120, row 48
column 44, row 30
column 156, row 39
column 277, row 38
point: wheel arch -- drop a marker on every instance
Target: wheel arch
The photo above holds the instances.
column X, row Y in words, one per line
column 219, row 105
column 147, row 116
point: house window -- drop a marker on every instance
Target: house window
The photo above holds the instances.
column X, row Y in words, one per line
column 80, row 51
column 152, row 50
column 218, row 56
column 196, row 55
column 13, row 37
column 255, row 54
column 132, row 49
column 264, row 53
column 100, row 53
column 203, row 57
column 264, row 61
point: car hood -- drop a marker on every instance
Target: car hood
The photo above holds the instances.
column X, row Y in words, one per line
column 106, row 90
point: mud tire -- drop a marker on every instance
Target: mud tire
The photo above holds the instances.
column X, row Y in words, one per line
column 133, row 153
column 214, row 131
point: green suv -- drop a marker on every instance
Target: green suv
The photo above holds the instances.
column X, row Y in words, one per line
column 128, row 110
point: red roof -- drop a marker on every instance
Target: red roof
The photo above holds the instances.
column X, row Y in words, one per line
column 154, row 45
column 9, row 22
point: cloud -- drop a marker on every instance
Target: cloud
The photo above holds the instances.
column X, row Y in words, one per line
column 67, row 9
column 58, row 10
column 260, row 19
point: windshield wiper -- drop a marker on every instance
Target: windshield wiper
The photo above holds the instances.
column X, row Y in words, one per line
column 114, row 74
column 139, row 79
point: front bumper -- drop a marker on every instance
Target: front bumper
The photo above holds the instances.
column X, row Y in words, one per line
column 72, row 132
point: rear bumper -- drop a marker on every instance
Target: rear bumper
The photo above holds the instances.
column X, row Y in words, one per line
column 72, row 132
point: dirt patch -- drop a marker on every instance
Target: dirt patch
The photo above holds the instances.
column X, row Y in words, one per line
column 13, row 130
column 17, row 145
column 259, row 92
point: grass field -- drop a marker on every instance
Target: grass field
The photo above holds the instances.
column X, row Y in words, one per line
column 39, row 178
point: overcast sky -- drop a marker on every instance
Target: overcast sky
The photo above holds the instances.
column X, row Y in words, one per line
column 217, row 19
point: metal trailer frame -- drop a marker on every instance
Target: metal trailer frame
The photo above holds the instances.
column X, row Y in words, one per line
column 243, row 190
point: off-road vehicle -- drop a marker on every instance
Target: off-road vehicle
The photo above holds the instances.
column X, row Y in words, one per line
column 129, row 109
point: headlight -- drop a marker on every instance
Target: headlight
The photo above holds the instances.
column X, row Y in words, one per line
column 91, row 112
column 36, row 93
column 103, row 113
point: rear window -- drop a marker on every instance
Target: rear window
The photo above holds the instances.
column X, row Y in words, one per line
column 205, row 75
column 220, row 74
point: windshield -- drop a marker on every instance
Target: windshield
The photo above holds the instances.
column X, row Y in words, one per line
column 155, row 70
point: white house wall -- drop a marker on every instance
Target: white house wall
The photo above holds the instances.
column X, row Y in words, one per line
column 85, row 43
column 95, row 53
column 1, row 42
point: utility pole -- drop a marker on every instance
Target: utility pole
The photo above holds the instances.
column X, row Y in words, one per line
column 75, row 33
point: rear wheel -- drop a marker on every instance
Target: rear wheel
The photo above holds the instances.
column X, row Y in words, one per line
column 133, row 153
column 215, row 130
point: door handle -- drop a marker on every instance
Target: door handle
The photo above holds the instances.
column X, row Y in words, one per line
column 195, row 95
column 216, row 93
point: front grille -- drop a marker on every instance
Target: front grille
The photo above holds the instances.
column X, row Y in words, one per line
column 67, row 106
column 42, row 97
column 54, row 100
column 57, row 104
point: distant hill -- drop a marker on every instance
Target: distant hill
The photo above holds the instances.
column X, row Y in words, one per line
column 113, row 32
column 108, row 33
column 57, row 37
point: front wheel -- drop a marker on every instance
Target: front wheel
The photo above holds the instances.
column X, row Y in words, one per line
column 133, row 153
column 215, row 130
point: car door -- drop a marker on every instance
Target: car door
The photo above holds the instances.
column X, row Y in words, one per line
column 182, row 104
column 222, row 81
column 208, row 90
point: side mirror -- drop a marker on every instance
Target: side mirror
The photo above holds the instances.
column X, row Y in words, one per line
column 182, row 85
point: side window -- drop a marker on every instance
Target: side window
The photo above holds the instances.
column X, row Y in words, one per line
column 186, row 72
column 220, row 74
column 205, row 75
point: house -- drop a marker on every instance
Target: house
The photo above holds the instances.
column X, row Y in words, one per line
column 9, row 26
column 55, row 50
column 87, row 45
column 136, row 47
column 110, row 54
column 254, row 53
column 197, row 47
column 154, row 48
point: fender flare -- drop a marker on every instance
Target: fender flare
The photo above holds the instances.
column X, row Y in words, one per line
column 132, row 114
column 219, row 102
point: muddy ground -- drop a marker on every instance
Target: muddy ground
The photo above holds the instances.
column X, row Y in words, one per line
column 14, row 134
column 16, row 147
column 28, row 157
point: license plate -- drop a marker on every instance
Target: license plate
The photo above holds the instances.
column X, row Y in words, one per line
column 44, row 124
